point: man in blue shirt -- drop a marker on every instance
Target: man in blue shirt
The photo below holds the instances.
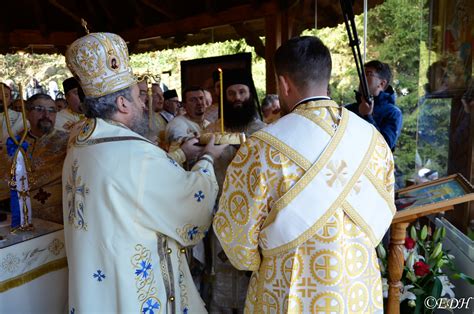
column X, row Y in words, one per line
column 382, row 113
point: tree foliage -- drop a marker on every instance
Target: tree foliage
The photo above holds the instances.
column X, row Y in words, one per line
column 396, row 35
column 395, row 29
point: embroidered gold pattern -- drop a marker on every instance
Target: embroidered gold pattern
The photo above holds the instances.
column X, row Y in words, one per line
column 76, row 194
column 56, row 246
column 327, row 302
column 285, row 280
column 190, row 233
column 326, row 267
column 336, row 173
column 238, row 207
column 309, row 175
column 310, row 232
column 223, row 227
column 358, row 298
column 145, row 278
column 282, row 147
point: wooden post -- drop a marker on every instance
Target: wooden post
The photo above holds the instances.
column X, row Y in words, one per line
column 395, row 266
column 278, row 29
column 272, row 42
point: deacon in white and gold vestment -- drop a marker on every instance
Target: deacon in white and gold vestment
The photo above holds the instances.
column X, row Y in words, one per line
column 303, row 206
column 129, row 210
column 307, row 199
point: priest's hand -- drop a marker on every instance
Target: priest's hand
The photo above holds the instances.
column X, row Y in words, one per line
column 214, row 150
column 191, row 150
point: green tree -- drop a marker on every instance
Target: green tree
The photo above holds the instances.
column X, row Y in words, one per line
column 397, row 32
column 395, row 29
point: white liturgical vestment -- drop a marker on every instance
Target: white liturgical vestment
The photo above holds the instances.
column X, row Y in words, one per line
column 66, row 118
column 129, row 211
column 16, row 124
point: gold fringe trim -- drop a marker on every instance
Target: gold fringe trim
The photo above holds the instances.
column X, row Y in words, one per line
column 33, row 274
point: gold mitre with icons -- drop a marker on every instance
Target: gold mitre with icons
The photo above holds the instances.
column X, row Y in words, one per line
column 101, row 64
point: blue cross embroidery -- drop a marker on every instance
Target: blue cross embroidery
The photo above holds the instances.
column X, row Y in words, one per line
column 143, row 271
column 151, row 306
column 73, row 310
column 204, row 171
column 199, row 196
column 192, row 232
column 99, row 275
column 185, row 310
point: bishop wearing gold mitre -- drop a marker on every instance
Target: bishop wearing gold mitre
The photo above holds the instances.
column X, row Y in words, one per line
column 129, row 209
column 307, row 199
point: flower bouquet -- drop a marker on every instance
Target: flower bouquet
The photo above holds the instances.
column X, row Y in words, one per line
column 423, row 273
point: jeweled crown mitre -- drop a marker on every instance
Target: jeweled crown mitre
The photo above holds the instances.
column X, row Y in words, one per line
column 101, row 64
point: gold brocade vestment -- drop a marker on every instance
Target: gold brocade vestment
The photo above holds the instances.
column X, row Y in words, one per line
column 335, row 269
column 47, row 156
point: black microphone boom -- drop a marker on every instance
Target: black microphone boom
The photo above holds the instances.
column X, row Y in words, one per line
column 348, row 13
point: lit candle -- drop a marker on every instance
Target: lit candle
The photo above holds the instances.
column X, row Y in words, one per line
column 150, row 103
column 222, row 99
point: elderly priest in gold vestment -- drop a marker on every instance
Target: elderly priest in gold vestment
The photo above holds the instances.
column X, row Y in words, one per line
column 129, row 210
column 306, row 199
column 46, row 151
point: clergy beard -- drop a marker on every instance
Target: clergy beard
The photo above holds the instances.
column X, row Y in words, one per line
column 237, row 119
column 139, row 123
column 45, row 125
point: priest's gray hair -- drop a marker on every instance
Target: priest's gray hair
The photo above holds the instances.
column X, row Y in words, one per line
column 104, row 107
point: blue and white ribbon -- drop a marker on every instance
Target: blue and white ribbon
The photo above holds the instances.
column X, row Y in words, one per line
column 20, row 202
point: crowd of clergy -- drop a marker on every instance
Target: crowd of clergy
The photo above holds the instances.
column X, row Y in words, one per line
column 251, row 191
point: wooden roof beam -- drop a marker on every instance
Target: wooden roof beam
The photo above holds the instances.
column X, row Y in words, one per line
column 89, row 11
column 66, row 11
column 39, row 15
column 160, row 9
column 18, row 38
column 195, row 23
column 109, row 17
column 211, row 6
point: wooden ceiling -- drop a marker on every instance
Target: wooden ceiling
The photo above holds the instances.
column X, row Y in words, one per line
column 49, row 26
